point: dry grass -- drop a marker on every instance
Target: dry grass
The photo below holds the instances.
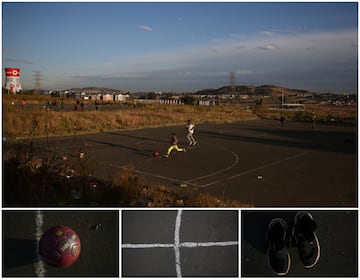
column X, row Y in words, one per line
column 326, row 114
column 33, row 121
column 32, row 181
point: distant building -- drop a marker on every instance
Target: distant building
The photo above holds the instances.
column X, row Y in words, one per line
column 107, row 97
column 12, row 81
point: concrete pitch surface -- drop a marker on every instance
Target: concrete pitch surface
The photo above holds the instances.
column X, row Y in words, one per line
column 172, row 243
column 259, row 163
column 100, row 245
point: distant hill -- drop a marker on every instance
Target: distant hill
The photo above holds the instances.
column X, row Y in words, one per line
column 252, row 90
column 96, row 90
column 268, row 90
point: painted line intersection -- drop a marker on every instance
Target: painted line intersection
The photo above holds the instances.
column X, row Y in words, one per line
column 177, row 244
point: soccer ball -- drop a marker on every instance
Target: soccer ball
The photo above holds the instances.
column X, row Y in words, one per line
column 60, row 246
column 156, row 154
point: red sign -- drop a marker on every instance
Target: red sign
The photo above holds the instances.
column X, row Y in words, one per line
column 12, row 72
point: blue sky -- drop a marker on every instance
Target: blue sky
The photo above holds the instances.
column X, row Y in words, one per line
column 182, row 47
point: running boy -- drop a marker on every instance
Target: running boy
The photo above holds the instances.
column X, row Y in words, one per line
column 174, row 145
column 190, row 136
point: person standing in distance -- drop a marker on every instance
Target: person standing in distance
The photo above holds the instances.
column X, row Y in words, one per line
column 313, row 120
column 190, row 136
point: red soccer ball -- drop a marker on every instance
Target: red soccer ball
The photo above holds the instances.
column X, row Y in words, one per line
column 156, row 154
column 60, row 246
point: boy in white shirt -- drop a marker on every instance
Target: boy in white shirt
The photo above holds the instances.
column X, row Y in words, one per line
column 190, row 136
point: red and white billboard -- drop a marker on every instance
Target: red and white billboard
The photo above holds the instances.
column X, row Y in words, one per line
column 12, row 81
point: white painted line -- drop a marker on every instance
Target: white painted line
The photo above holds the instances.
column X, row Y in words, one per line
column 181, row 245
column 191, row 182
column 216, row 172
column 149, row 174
column 256, row 169
column 146, row 246
column 177, row 243
column 208, row 244
column 39, row 263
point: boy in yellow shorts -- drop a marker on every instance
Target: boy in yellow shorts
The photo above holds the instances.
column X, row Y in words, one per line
column 174, row 145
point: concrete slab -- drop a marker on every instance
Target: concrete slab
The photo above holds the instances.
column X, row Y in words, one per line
column 204, row 243
column 258, row 163
column 100, row 248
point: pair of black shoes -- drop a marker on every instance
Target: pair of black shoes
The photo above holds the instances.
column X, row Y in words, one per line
column 280, row 239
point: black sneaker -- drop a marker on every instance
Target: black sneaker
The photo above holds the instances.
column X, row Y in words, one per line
column 306, row 239
column 278, row 240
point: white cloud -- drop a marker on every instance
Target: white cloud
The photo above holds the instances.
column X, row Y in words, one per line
column 295, row 60
column 291, row 51
column 274, row 32
column 267, row 33
column 146, row 27
column 268, row 47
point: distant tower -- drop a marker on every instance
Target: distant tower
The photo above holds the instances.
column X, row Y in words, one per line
column 232, row 84
column 37, row 81
column 12, row 82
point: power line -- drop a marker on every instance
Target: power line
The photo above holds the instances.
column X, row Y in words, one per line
column 232, row 83
column 37, row 79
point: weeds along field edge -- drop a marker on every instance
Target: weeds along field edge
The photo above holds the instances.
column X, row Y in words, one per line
column 33, row 122
column 54, row 181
